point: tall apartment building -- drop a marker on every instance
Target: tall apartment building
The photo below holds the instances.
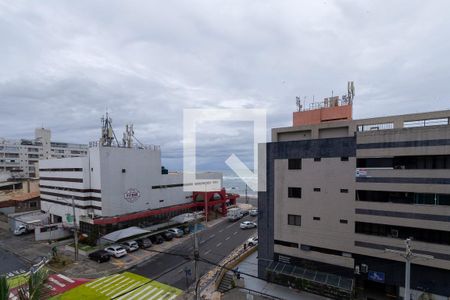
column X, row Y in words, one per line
column 342, row 191
column 19, row 157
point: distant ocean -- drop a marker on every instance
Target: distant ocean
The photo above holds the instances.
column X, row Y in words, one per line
column 234, row 184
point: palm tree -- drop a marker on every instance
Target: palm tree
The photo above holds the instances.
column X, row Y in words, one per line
column 35, row 288
column 4, row 288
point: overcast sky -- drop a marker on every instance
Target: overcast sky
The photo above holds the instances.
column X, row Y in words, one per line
column 63, row 63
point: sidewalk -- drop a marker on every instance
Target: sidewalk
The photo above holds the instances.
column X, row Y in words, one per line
column 250, row 266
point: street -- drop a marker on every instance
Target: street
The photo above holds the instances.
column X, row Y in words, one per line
column 215, row 243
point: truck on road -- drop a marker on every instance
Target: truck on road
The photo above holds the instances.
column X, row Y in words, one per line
column 23, row 228
column 234, row 214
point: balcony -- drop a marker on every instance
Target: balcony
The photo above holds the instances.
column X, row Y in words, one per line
column 398, row 176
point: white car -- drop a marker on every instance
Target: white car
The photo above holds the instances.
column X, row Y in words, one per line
column 248, row 224
column 116, row 251
column 130, row 246
column 253, row 212
column 176, row 232
column 253, row 241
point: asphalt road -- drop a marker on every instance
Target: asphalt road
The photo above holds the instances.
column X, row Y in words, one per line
column 214, row 244
column 9, row 262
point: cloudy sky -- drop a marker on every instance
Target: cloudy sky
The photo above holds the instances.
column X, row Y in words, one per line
column 63, row 63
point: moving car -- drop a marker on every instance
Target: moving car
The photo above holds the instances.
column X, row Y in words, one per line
column 176, row 232
column 167, row 235
column 130, row 246
column 116, row 251
column 100, row 256
column 144, row 243
column 253, row 241
column 253, row 212
column 247, row 225
column 157, row 239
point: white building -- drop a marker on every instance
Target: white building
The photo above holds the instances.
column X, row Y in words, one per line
column 19, row 157
column 110, row 181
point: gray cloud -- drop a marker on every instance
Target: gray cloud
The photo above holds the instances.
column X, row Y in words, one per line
column 65, row 62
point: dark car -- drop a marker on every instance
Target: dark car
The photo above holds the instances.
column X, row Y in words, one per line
column 144, row 243
column 157, row 239
column 167, row 235
column 245, row 212
column 100, row 256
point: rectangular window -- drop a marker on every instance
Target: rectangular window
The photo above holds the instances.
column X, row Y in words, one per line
column 342, row 221
column 344, row 190
column 344, row 158
column 305, row 247
column 295, row 220
column 294, row 163
column 316, row 218
column 294, row 192
column 316, row 189
column 317, row 159
column 286, row 244
column 123, row 170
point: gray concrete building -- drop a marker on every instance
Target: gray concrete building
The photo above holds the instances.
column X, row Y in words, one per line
column 20, row 157
column 342, row 191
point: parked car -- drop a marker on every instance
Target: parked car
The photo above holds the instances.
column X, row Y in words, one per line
column 253, row 241
column 177, row 232
column 167, row 235
column 253, row 212
column 185, row 229
column 144, row 243
column 247, row 225
column 157, row 239
column 245, row 213
column 116, row 251
column 100, row 256
column 130, row 246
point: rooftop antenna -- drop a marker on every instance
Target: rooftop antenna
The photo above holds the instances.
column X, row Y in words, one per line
column 128, row 136
column 299, row 103
column 350, row 91
column 107, row 134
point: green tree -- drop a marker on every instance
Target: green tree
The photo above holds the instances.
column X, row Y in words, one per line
column 36, row 286
column 4, row 288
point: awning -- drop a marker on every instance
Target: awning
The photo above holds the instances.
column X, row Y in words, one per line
column 123, row 234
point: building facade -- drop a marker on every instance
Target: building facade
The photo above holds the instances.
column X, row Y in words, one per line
column 110, row 182
column 20, row 157
column 341, row 191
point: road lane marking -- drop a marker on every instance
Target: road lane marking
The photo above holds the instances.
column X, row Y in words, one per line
column 207, row 252
column 211, row 236
column 218, row 245
column 227, row 238
column 65, row 278
column 221, row 230
column 230, row 225
column 234, row 233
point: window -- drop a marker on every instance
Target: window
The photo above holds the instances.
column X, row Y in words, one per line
column 316, row 189
column 294, row 192
column 317, row 159
column 161, row 200
column 294, row 163
column 344, row 190
column 344, row 158
column 295, row 220
column 123, row 170
column 286, row 244
column 342, row 221
column 316, row 218
column 305, row 247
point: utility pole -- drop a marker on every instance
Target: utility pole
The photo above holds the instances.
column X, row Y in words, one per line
column 409, row 256
column 75, row 230
column 206, row 207
column 246, row 198
column 196, row 257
